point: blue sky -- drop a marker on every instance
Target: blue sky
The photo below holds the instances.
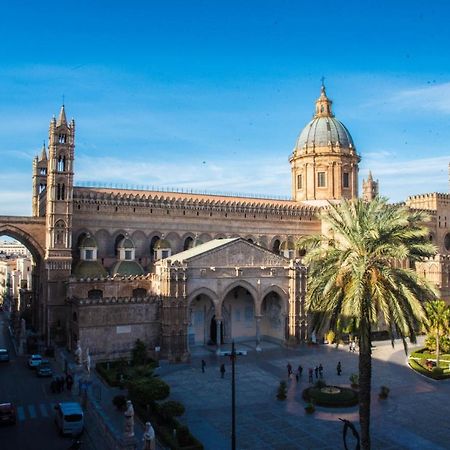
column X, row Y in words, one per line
column 212, row 95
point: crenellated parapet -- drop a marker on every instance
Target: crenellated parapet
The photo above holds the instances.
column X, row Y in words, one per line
column 152, row 299
column 145, row 201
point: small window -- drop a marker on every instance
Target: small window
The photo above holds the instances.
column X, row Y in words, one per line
column 321, row 180
column 95, row 294
column 299, row 182
column 128, row 255
column 346, row 180
column 164, row 253
column 89, row 255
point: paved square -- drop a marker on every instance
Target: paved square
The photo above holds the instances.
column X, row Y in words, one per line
column 415, row 416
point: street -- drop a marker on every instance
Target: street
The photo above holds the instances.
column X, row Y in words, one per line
column 35, row 428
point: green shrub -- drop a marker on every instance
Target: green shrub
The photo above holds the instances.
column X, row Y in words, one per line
column 148, row 390
column 171, row 409
column 282, row 391
column 437, row 371
column 183, row 436
column 139, row 353
column 444, row 343
column 346, row 397
column 119, row 401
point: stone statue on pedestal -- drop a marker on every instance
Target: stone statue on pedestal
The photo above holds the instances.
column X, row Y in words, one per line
column 129, row 420
column 149, row 437
column 79, row 353
column 88, row 361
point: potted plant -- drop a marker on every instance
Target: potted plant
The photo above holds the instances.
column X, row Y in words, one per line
column 384, row 392
column 354, row 380
column 282, row 391
column 309, row 407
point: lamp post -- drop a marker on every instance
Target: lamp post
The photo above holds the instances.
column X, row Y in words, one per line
column 233, row 398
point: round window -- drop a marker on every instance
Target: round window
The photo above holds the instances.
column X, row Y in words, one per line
column 447, row 242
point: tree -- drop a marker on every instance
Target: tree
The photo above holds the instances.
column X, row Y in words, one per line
column 353, row 278
column 438, row 314
column 139, row 353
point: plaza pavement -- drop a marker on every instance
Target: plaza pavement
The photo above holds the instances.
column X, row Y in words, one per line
column 415, row 416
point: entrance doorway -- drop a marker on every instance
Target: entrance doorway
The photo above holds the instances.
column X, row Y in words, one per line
column 213, row 331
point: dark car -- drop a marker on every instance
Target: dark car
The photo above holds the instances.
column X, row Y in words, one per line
column 44, row 369
column 4, row 354
column 7, row 413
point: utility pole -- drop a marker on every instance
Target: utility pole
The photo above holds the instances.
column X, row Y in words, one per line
column 233, row 397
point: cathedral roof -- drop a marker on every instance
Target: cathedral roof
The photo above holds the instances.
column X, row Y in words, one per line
column 88, row 242
column 127, row 268
column 89, row 269
column 324, row 130
column 126, row 242
column 162, row 244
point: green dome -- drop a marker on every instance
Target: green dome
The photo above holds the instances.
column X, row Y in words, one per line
column 126, row 243
column 127, row 268
column 162, row 244
column 88, row 242
column 89, row 269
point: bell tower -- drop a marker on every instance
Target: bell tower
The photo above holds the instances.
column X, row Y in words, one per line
column 60, row 187
column 59, row 206
column 39, row 183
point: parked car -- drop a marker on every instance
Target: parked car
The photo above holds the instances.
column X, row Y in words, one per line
column 7, row 413
column 4, row 354
column 69, row 418
column 44, row 369
column 34, row 361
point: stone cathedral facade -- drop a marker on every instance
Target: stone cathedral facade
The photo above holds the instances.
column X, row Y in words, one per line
column 181, row 270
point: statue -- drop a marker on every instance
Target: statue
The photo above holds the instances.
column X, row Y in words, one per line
column 149, row 437
column 129, row 420
column 79, row 353
column 88, row 361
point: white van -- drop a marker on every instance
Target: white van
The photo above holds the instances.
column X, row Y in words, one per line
column 69, row 418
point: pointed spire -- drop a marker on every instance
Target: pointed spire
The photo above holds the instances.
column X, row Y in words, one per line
column 43, row 153
column 323, row 103
column 62, row 117
column 370, row 178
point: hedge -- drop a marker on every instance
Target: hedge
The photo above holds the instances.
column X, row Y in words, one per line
column 415, row 365
column 164, row 428
column 347, row 397
column 111, row 375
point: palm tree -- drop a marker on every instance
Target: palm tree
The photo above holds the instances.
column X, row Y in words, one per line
column 353, row 278
column 438, row 314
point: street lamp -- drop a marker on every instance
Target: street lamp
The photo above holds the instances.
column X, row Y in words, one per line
column 233, row 397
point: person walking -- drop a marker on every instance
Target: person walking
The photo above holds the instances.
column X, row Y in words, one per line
column 300, row 370
column 320, row 371
column 203, row 365
column 222, row 370
column 339, row 368
column 289, row 369
column 310, row 375
column 316, row 371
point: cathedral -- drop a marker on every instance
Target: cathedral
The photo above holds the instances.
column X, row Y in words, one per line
column 180, row 270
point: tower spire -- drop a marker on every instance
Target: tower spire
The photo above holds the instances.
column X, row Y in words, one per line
column 62, row 120
column 43, row 152
column 323, row 103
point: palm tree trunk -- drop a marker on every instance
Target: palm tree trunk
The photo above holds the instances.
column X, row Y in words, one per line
column 365, row 384
column 437, row 348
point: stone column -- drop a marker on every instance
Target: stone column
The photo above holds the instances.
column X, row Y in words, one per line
column 258, row 333
column 218, row 334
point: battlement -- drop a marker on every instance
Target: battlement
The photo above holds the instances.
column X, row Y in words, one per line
column 430, row 201
column 115, row 300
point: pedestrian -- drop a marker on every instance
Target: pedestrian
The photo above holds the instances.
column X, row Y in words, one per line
column 69, row 382
column 316, row 371
column 300, row 371
column 339, row 368
column 310, row 375
column 320, row 371
column 222, row 370
column 296, row 377
column 289, row 369
column 203, row 365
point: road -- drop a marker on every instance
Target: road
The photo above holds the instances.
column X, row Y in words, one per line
column 35, row 428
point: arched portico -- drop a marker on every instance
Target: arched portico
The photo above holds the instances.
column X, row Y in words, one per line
column 202, row 313
column 273, row 316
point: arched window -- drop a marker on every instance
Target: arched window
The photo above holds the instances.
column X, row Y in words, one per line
column 75, row 317
column 95, row 294
column 276, row 246
column 61, row 166
column 188, row 243
column 139, row 293
column 60, row 233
